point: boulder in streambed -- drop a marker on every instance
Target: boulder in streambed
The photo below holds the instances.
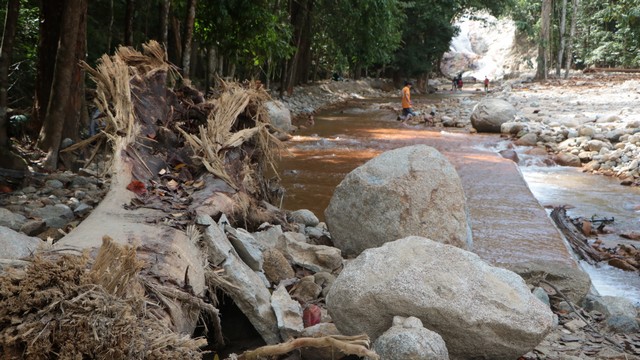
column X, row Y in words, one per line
column 408, row 339
column 565, row 159
column 489, row 115
column 408, row 191
column 481, row 311
column 279, row 114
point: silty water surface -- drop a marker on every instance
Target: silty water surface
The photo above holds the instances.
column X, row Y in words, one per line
column 343, row 139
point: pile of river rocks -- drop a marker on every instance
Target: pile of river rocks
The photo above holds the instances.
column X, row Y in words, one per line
column 589, row 121
column 47, row 207
column 580, row 123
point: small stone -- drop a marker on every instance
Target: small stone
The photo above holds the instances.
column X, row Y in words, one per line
column 73, row 203
column 575, row 325
column 79, row 194
column 276, row 267
column 50, row 233
column 569, row 338
column 542, row 295
column 54, row 184
column 33, row 227
column 11, row 220
column 306, row 290
column 82, row 209
column 305, row 217
column 79, row 181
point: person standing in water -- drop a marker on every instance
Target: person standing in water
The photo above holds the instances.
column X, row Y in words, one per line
column 486, row 85
column 407, row 104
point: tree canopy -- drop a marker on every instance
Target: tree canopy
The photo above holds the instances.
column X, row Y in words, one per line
column 607, row 33
column 288, row 43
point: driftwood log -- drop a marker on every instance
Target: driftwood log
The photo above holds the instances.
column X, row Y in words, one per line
column 578, row 242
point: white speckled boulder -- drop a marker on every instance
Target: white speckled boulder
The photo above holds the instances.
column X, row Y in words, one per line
column 408, row 191
column 489, row 115
column 481, row 311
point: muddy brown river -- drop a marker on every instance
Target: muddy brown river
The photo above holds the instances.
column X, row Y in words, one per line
column 345, row 138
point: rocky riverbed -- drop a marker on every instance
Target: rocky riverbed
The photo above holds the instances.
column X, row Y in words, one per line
column 593, row 119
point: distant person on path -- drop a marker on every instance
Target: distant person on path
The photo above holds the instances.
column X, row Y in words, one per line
column 486, row 85
column 460, row 83
column 454, row 84
column 407, row 104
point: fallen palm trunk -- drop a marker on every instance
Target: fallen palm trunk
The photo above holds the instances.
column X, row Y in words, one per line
column 158, row 186
column 58, row 307
column 347, row 345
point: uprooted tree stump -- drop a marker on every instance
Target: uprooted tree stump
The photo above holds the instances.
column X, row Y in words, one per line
column 69, row 305
column 175, row 157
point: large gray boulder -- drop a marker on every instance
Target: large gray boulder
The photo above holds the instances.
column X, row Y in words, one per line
column 408, row 191
column 279, row 114
column 481, row 311
column 489, row 115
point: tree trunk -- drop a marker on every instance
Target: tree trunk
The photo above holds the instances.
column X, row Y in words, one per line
column 128, row 22
column 232, row 70
column 76, row 103
column 65, row 66
column 188, row 37
column 212, row 67
column 572, row 34
column 305, row 59
column 563, row 27
column 300, row 13
column 51, row 15
column 110, row 30
column 177, row 39
column 165, row 5
column 6, row 49
column 221, row 61
column 8, row 159
column 193, row 65
column 543, row 41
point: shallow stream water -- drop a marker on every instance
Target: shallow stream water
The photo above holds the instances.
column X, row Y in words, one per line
column 343, row 139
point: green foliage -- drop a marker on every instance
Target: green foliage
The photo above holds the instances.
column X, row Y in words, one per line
column 404, row 36
column 425, row 40
column 365, row 32
column 525, row 14
column 328, row 56
column 256, row 32
column 429, row 30
column 608, row 32
column 22, row 71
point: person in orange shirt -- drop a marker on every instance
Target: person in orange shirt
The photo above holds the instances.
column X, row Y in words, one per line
column 407, row 104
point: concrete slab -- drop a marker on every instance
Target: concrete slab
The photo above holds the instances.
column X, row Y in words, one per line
column 510, row 228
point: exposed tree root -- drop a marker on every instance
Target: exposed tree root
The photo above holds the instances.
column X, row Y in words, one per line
column 348, row 345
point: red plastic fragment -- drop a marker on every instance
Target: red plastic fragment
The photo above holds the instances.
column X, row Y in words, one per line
column 137, row 187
